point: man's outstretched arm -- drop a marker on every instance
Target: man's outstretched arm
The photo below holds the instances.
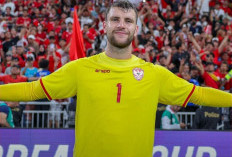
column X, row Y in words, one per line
column 27, row 91
column 207, row 96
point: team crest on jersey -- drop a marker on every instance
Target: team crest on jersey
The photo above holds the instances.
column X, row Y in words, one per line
column 138, row 73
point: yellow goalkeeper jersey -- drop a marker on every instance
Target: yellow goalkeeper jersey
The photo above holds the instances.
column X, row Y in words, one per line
column 116, row 103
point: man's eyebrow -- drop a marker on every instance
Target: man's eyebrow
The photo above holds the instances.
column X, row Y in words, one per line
column 126, row 18
column 114, row 17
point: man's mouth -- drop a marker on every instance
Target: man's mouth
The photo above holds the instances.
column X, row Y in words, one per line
column 120, row 33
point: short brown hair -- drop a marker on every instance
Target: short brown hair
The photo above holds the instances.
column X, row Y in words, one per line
column 123, row 4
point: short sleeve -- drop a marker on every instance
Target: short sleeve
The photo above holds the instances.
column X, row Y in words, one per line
column 2, row 77
column 173, row 89
column 61, row 83
column 4, row 109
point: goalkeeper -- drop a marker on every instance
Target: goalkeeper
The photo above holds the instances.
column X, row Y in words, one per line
column 117, row 93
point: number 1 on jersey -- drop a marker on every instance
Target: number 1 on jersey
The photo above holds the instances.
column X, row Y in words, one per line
column 119, row 85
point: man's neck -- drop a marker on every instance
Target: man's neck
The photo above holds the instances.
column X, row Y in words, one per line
column 223, row 72
column 13, row 76
column 118, row 53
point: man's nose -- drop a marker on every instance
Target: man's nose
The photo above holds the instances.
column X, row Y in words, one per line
column 121, row 24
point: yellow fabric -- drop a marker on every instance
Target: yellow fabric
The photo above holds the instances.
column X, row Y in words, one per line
column 207, row 96
column 108, row 126
column 115, row 114
column 26, row 91
column 213, row 76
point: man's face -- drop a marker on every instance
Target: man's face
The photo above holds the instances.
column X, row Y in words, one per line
column 8, row 35
column 85, row 29
column 186, row 76
column 210, row 68
column 19, row 50
column 85, row 13
column 223, row 67
column 217, row 6
column 186, row 68
column 215, row 44
column 225, row 57
column 176, row 108
column 30, row 63
column 30, row 40
column 120, row 27
column 163, row 61
column 70, row 25
column 209, row 47
column 14, row 62
column 62, row 43
column 209, row 58
column 8, row 9
column 194, row 73
column 25, row 13
column 15, row 71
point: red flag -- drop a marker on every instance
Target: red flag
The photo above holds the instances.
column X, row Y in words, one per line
column 77, row 49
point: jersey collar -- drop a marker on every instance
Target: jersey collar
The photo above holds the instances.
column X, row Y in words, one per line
column 119, row 62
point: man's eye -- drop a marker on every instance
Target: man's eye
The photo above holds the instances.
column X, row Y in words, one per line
column 129, row 21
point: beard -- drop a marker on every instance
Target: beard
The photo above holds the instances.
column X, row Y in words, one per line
column 116, row 43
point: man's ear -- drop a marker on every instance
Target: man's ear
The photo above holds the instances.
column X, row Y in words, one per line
column 136, row 30
column 104, row 25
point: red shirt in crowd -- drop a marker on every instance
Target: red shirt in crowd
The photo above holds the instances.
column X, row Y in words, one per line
column 67, row 36
column 9, row 79
column 209, row 81
column 91, row 36
column 51, row 60
column 221, row 76
column 50, row 26
column 160, row 42
column 2, row 2
column 21, row 60
column 36, row 4
column 23, row 20
column 0, row 44
column 41, row 37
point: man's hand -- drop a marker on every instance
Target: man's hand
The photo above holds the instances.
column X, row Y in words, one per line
column 182, row 125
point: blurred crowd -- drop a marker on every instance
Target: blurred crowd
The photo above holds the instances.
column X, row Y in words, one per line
column 192, row 38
